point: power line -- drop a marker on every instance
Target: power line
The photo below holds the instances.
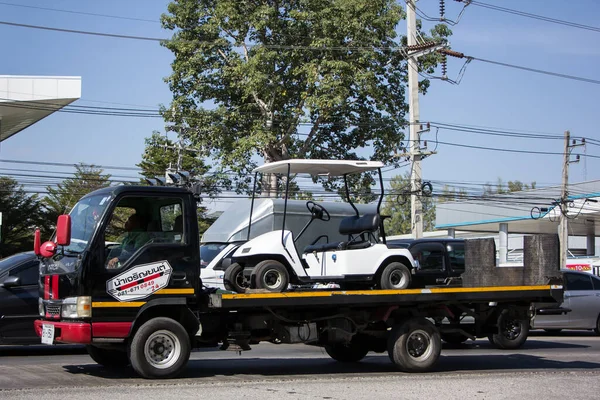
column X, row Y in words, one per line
column 535, row 16
column 57, row 164
column 79, row 12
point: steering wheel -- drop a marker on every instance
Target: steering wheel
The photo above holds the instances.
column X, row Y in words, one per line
column 318, row 211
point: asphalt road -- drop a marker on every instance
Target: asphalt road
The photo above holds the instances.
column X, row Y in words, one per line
column 562, row 367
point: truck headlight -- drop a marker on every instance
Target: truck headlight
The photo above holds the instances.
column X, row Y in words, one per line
column 41, row 307
column 77, row 307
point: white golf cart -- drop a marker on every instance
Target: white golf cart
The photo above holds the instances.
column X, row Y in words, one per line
column 272, row 261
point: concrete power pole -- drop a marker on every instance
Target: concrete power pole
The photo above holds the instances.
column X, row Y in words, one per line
column 563, row 227
column 416, row 206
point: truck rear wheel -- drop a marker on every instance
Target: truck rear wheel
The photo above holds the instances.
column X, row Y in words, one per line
column 271, row 275
column 160, row 348
column 415, row 345
column 350, row 352
column 512, row 333
column 108, row 357
column 233, row 279
column 395, row 276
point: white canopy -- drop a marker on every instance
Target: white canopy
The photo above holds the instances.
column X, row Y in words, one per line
column 319, row 167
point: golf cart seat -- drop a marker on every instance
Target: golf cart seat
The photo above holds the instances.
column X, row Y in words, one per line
column 354, row 227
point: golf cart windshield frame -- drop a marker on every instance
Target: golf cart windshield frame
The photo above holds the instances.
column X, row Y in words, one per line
column 316, row 167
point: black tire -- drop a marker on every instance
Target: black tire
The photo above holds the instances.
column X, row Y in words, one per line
column 597, row 329
column 553, row 331
column 271, row 275
column 415, row 345
column 395, row 276
column 512, row 333
column 453, row 338
column 351, row 352
column 160, row 349
column 110, row 358
column 233, row 279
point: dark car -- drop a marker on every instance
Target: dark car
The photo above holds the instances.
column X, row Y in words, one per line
column 439, row 261
column 19, row 298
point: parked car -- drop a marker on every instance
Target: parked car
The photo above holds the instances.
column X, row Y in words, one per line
column 582, row 297
column 439, row 261
column 19, row 275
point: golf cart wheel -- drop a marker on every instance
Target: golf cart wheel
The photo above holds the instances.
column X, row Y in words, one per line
column 415, row 345
column 395, row 276
column 108, row 357
column 160, row 349
column 233, row 279
column 350, row 352
column 271, row 275
column 512, row 333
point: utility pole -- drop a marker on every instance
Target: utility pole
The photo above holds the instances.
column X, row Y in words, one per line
column 563, row 227
column 416, row 206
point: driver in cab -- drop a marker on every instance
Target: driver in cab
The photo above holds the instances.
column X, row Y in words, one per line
column 134, row 238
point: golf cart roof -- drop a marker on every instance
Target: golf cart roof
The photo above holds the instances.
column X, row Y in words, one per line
column 319, row 167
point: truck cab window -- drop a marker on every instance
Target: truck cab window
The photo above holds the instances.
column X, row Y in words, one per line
column 140, row 221
column 578, row 282
column 456, row 253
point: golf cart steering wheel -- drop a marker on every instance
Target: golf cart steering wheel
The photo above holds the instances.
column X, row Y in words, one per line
column 318, row 211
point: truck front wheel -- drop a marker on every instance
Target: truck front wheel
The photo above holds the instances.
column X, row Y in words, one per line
column 415, row 345
column 108, row 357
column 160, row 348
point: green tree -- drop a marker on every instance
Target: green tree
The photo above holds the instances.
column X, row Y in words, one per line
column 21, row 215
column 61, row 199
column 289, row 79
column 517, row 186
column 397, row 206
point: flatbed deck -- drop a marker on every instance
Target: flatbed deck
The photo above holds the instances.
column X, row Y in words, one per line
column 538, row 293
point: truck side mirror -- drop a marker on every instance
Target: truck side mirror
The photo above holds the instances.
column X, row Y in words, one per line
column 11, row 281
column 63, row 230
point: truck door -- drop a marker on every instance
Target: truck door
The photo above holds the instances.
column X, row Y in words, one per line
column 430, row 262
column 148, row 244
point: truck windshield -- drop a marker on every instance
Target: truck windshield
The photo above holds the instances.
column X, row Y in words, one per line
column 85, row 215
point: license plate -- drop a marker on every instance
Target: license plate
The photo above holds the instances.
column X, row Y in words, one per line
column 47, row 334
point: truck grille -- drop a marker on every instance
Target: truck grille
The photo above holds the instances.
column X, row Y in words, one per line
column 53, row 309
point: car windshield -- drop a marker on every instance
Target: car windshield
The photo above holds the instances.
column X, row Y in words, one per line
column 13, row 260
column 85, row 215
column 209, row 251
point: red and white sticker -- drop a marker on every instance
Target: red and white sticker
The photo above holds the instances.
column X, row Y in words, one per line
column 139, row 282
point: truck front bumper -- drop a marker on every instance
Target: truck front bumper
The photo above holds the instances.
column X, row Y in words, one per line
column 67, row 332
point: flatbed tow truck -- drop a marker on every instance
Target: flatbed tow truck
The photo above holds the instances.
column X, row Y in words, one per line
column 150, row 309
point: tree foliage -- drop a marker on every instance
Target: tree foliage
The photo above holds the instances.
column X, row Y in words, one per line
column 61, row 199
column 322, row 79
column 21, row 214
column 397, row 206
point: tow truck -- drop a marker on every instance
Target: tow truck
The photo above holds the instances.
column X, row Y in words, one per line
column 151, row 309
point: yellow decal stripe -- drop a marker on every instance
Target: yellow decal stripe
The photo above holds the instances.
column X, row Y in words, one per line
column 175, row 291
column 382, row 292
column 108, row 304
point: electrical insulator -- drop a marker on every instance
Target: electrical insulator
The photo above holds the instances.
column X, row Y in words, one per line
column 428, row 125
column 425, row 144
column 445, row 67
column 583, row 141
column 442, row 10
column 574, row 142
column 578, row 157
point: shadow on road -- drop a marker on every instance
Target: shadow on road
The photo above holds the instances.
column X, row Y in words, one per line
column 277, row 367
column 40, row 350
column 536, row 344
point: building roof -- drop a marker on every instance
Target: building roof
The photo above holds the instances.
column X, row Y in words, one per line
column 528, row 212
column 24, row 100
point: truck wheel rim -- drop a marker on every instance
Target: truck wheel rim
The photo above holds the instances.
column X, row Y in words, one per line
column 418, row 345
column 512, row 329
column 272, row 279
column 162, row 349
column 397, row 279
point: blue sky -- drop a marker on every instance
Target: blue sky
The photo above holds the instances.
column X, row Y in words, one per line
column 131, row 72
